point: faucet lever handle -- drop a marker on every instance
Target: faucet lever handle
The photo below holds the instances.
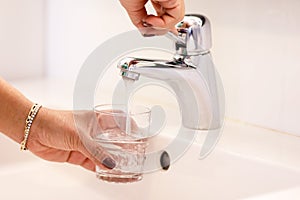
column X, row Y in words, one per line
column 193, row 38
column 175, row 38
column 195, row 31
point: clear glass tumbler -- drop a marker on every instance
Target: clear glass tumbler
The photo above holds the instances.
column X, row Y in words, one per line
column 123, row 133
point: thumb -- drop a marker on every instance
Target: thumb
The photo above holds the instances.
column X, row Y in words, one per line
column 83, row 142
column 97, row 154
column 136, row 12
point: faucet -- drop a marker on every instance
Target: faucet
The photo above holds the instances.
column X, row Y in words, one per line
column 190, row 73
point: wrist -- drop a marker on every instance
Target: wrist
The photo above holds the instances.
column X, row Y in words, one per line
column 37, row 128
column 51, row 128
column 28, row 123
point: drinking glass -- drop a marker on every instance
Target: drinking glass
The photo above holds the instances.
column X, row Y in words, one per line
column 123, row 133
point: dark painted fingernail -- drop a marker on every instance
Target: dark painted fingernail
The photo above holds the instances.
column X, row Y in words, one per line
column 109, row 163
column 145, row 24
column 148, row 35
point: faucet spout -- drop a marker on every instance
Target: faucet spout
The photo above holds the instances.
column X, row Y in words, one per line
column 130, row 67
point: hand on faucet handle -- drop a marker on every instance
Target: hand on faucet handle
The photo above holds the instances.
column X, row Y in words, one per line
column 169, row 13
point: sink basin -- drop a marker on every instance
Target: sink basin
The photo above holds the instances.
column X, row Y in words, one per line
column 222, row 175
column 249, row 162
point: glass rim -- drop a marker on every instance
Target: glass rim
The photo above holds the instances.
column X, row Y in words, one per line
column 110, row 109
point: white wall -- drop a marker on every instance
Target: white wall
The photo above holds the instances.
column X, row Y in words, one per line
column 75, row 28
column 21, row 38
column 256, row 48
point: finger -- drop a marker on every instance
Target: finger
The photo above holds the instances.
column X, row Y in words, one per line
column 97, row 154
column 112, row 119
column 56, row 155
column 78, row 158
column 83, row 142
column 136, row 12
column 108, row 120
column 150, row 31
column 168, row 3
column 173, row 8
column 167, row 20
column 158, row 8
column 169, row 13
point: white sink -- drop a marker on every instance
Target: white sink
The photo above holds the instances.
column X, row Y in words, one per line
column 248, row 163
column 222, row 175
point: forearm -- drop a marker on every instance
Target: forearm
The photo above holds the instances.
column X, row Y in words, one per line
column 14, row 108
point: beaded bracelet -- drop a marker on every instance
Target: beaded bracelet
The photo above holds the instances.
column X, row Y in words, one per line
column 31, row 116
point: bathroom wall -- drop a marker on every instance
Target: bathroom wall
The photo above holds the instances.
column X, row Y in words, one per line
column 75, row 28
column 256, row 47
column 21, row 38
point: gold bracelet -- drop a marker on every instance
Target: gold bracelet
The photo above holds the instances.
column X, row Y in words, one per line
column 31, row 116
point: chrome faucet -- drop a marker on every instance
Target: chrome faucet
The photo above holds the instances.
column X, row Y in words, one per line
column 190, row 73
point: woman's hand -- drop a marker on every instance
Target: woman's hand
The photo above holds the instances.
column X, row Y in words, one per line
column 169, row 12
column 56, row 136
